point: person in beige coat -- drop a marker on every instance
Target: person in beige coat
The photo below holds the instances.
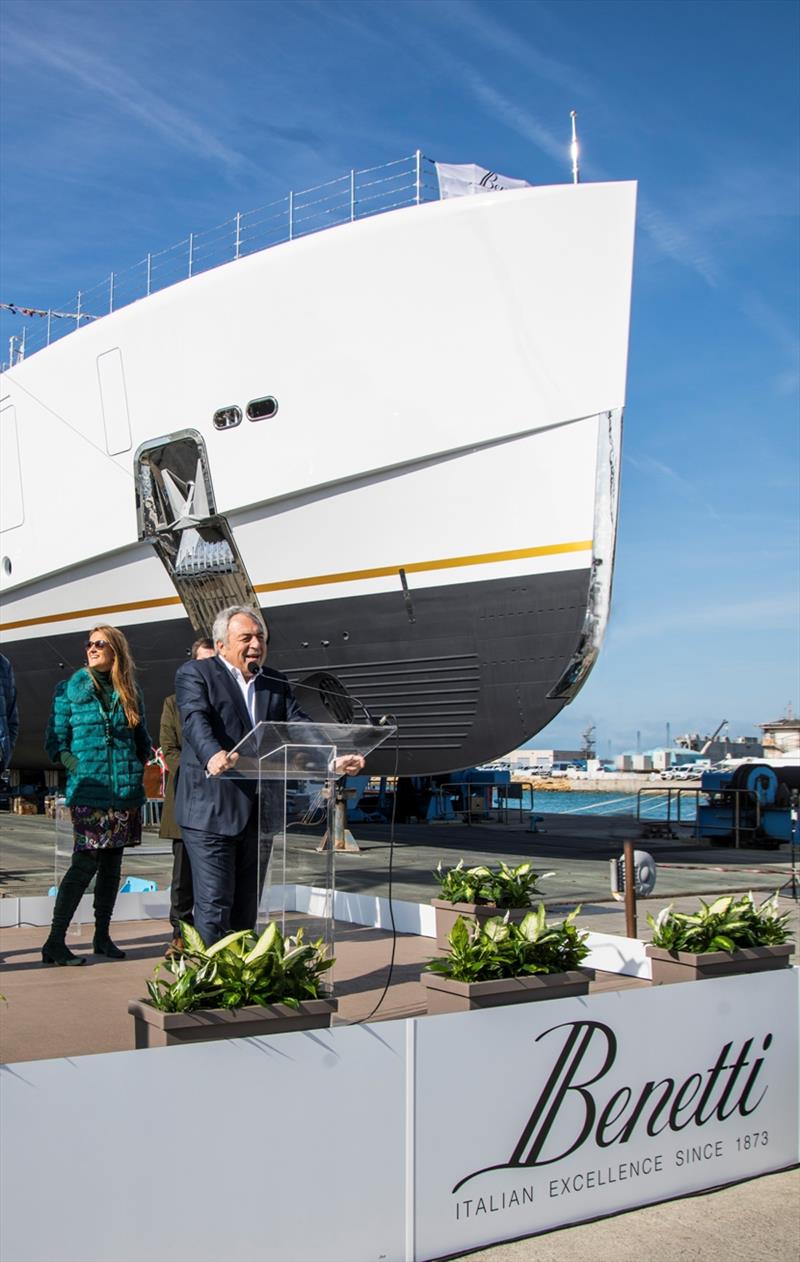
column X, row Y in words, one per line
column 170, row 738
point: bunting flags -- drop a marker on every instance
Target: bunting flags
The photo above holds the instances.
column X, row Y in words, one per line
column 56, row 315
column 26, row 311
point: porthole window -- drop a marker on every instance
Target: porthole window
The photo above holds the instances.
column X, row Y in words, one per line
column 228, row 418
column 262, row 409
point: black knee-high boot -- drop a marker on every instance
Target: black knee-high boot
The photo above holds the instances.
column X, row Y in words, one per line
column 70, row 892
column 106, row 888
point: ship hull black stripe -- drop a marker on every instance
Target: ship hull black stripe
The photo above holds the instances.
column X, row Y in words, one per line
column 468, row 678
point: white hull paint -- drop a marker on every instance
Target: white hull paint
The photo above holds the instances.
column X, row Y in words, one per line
column 445, row 376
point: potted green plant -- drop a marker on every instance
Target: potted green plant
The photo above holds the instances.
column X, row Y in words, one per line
column 497, row 961
column 727, row 936
column 481, row 893
column 241, row 986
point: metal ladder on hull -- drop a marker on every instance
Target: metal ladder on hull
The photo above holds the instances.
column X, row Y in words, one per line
column 176, row 513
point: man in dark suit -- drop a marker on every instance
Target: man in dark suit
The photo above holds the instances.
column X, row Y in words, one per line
column 219, row 701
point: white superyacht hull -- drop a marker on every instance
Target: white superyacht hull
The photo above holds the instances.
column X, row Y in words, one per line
column 430, row 514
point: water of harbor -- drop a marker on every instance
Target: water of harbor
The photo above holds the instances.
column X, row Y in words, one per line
column 655, row 804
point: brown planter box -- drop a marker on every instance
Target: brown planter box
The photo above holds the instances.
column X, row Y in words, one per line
column 446, row 995
column 165, row 1029
column 448, row 913
column 685, row 966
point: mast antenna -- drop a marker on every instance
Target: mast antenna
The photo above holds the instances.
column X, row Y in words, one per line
column 573, row 149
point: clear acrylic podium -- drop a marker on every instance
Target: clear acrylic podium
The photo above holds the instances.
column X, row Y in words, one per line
column 295, row 765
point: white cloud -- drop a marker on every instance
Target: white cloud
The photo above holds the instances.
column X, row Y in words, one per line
column 675, row 240
column 101, row 76
column 767, row 319
column 514, row 116
column 690, row 489
column 466, row 16
column 775, row 613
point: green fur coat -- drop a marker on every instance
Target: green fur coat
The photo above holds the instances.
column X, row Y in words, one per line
column 105, row 757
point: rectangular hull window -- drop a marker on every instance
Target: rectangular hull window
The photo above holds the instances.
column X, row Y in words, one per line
column 11, row 507
column 114, row 402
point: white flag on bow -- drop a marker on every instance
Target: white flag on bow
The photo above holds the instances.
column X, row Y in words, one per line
column 464, row 180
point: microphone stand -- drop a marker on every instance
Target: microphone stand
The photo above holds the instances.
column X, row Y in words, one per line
column 343, row 840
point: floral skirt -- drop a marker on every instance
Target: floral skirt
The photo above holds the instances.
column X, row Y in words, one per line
column 106, row 828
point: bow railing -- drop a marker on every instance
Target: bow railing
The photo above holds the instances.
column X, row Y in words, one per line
column 355, row 195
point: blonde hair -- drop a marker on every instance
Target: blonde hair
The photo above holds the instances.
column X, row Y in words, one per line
column 122, row 673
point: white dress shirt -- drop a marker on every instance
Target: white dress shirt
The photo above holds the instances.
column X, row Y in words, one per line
column 247, row 687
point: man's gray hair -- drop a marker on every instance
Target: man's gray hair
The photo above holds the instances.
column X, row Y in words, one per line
column 223, row 621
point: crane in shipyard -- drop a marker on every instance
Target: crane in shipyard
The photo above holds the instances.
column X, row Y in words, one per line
column 700, row 744
column 710, row 740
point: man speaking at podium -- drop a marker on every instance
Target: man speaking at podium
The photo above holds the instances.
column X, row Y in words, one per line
column 220, row 699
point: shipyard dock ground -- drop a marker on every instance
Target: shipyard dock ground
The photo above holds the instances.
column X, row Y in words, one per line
column 575, row 848
column 574, row 851
column 746, row 1222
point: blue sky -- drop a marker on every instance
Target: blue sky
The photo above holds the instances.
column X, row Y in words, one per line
column 125, row 125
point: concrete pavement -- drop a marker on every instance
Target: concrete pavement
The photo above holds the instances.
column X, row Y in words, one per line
column 757, row 1221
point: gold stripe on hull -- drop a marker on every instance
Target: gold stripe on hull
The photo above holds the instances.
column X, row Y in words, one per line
column 319, row 580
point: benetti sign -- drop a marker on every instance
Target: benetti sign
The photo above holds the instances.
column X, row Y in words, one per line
column 670, row 1104
column 553, row 1121
column 456, row 1131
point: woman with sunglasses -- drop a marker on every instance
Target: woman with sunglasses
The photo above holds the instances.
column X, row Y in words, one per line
column 97, row 730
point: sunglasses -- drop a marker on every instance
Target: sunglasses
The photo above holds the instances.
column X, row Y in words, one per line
column 96, row 644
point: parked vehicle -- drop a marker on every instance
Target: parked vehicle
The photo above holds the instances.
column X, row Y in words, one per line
column 685, row 771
